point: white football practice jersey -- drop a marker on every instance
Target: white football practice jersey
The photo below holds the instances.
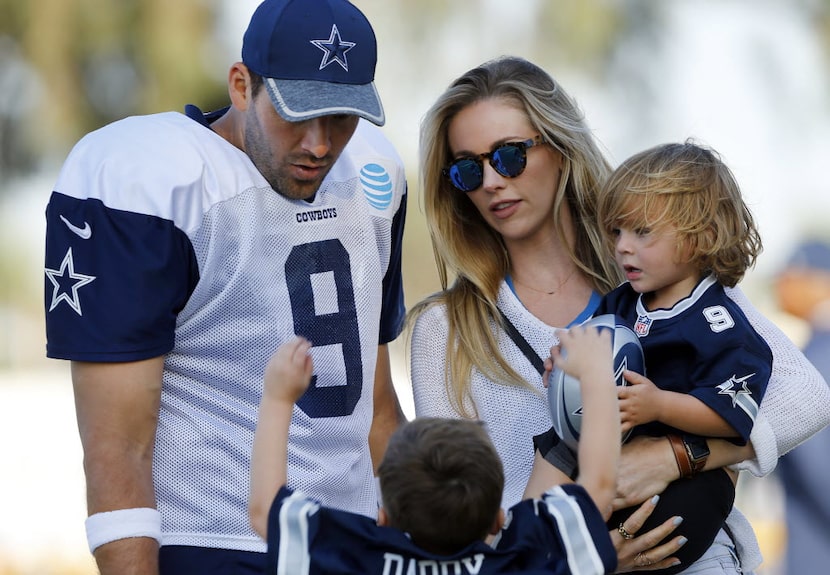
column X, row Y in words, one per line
column 163, row 238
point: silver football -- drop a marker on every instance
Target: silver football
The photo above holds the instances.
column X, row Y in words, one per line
column 564, row 397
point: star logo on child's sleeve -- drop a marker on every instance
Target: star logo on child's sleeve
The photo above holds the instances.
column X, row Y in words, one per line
column 736, row 388
column 728, row 387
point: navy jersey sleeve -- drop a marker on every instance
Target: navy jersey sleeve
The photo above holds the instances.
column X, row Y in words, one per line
column 733, row 381
column 581, row 529
column 114, row 281
column 566, row 531
column 393, row 311
column 292, row 525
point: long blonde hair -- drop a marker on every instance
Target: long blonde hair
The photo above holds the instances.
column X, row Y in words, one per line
column 465, row 246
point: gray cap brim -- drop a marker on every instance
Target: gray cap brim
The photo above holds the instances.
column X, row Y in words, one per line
column 298, row 100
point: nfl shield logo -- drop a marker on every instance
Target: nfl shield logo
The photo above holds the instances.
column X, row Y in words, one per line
column 642, row 326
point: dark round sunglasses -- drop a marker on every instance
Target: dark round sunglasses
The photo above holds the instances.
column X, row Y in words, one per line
column 509, row 160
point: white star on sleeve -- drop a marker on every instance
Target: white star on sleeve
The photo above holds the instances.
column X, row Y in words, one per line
column 60, row 279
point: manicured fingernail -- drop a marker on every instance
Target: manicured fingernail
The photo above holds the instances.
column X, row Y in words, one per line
column 677, row 520
column 655, row 499
column 675, row 564
column 682, row 541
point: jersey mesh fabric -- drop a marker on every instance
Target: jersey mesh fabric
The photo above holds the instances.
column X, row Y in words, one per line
column 269, row 268
column 215, row 368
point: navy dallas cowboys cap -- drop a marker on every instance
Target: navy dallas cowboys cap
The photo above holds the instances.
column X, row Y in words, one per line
column 316, row 57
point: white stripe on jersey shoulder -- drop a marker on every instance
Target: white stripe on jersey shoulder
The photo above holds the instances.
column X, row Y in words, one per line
column 294, row 558
column 680, row 306
column 165, row 165
column 583, row 557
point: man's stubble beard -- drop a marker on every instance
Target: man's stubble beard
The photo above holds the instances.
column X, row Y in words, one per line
column 260, row 153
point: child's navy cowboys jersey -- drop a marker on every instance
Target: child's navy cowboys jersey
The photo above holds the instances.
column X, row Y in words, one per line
column 163, row 238
column 561, row 533
column 703, row 346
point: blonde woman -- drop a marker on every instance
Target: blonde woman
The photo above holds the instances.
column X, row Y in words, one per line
column 510, row 177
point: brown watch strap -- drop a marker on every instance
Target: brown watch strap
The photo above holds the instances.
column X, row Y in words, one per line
column 684, row 461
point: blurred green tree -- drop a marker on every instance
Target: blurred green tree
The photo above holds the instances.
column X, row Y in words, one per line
column 70, row 66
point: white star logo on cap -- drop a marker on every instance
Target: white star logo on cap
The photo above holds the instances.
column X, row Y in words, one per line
column 334, row 49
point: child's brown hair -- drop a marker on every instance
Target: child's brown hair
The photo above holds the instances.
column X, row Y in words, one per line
column 441, row 481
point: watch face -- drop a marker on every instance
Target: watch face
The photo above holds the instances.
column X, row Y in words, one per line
column 697, row 446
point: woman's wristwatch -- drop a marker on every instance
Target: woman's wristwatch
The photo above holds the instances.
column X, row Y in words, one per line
column 690, row 452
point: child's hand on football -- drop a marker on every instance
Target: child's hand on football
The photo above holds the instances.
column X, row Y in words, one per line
column 582, row 349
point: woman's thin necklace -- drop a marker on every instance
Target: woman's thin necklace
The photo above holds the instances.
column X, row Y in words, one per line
column 559, row 287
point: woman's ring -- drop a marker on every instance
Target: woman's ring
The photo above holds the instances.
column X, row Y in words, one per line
column 625, row 534
column 641, row 560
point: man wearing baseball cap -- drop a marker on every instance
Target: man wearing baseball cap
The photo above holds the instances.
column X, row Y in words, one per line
column 183, row 249
column 309, row 69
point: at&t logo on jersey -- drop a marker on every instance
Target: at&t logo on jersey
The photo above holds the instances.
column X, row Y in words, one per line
column 377, row 185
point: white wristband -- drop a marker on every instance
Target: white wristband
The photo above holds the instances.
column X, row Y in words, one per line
column 110, row 526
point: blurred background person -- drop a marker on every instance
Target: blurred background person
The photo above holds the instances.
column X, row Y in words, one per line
column 803, row 290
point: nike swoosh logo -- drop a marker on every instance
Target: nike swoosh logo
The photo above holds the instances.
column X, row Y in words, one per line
column 84, row 233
